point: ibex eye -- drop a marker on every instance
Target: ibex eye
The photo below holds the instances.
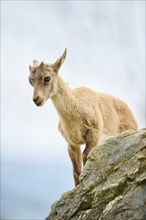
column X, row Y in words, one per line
column 47, row 78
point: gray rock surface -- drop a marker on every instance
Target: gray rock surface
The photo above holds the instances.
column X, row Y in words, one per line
column 112, row 184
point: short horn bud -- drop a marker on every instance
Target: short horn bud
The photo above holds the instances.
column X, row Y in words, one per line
column 42, row 63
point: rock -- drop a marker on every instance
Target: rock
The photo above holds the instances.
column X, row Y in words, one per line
column 112, row 183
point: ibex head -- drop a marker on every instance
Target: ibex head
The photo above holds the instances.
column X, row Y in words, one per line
column 43, row 77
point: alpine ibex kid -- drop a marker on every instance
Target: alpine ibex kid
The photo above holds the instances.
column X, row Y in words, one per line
column 85, row 115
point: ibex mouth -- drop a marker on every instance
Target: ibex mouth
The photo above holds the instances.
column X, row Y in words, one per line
column 39, row 103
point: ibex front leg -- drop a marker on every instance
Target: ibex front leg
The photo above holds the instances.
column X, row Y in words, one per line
column 92, row 139
column 76, row 159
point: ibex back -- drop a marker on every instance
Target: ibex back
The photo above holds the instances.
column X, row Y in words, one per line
column 85, row 116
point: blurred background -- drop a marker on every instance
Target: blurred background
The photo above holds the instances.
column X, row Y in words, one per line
column 106, row 52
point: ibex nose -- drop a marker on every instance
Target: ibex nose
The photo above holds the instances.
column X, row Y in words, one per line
column 35, row 98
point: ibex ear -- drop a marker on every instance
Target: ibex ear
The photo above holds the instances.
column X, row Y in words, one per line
column 35, row 63
column 60, row 61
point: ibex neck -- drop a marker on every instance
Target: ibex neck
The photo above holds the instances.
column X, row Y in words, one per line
column 64, row 101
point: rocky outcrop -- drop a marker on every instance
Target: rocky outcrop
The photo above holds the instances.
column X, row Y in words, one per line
column 112, row 184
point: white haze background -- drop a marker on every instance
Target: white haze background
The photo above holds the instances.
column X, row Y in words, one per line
column 106, row 52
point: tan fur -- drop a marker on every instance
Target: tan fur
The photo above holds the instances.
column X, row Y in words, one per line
column 85, row 115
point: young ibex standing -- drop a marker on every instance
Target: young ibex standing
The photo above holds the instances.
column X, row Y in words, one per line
column 85, row 115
